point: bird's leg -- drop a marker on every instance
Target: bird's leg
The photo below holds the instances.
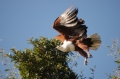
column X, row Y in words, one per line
column 89, row 55
column 84, row 47
column 85, row 61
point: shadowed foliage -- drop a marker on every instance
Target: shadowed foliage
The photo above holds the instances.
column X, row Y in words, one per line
column 42, row 61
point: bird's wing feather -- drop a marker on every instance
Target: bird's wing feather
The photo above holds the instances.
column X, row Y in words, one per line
column 69, row 17
column 68, row 24
column 81, row 31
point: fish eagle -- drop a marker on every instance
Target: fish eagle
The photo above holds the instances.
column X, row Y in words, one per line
column 73, row 34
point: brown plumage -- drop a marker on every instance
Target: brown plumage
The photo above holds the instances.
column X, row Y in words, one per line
column 73, row 34
column 77, row 48
column 69, row 25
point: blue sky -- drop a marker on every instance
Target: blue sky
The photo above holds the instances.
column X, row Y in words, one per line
column 23, row 19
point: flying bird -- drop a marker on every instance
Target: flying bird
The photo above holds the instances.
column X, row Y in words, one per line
column 73, row 34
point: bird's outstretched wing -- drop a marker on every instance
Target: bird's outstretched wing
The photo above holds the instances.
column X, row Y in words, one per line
column 68, row 24
column 68, row 18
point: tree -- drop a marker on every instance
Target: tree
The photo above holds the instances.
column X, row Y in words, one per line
column 7, row 72
column 43, row 61
column 115, row 53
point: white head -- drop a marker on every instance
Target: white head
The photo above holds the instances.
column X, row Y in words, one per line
column 66, row 47
column 61, row 48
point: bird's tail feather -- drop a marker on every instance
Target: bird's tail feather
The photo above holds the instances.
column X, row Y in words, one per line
column 95, row 38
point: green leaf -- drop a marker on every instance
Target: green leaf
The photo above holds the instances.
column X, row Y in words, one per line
column 7, row 69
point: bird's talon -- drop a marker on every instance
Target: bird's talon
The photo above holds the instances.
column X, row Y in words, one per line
column 89, row 55
column 85, row 63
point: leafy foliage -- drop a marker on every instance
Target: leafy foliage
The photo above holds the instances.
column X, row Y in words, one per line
column 82, row 75
column 7, row 72
column 44, row 61
column 93, row 71
column 115, row 53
